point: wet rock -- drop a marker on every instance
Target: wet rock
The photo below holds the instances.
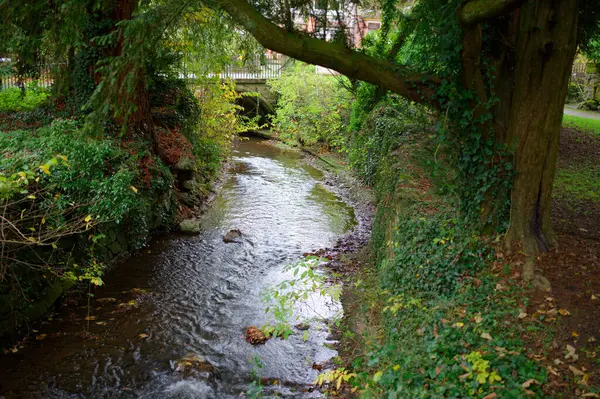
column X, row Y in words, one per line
column 189, row 185
column 195, row 366
column 188, row 199
column 190, row 226
column 232, row 236
column 541, row 283
column 185, row 164
column 255, row 336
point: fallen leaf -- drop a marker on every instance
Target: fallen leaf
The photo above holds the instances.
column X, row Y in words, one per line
column 459, row 324
column 552, row 370
column 14, row 350
column 486, row 335
column 490, row 396
column 522, row 315
column 40, row 337
column 143, row 336
column 576, row 371
column 106, row 300
column 590, row 395
column 438, row 370
column 564, row 312
column 90, row 318
column 528, row 383
column 594, row 297
column 575, row 334
column 571, row 353
column 478, row 318
column 101, row 323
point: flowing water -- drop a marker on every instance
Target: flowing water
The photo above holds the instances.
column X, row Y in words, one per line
column 168, row 315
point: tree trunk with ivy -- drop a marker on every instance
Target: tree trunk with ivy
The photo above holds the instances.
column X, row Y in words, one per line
column 533, row 62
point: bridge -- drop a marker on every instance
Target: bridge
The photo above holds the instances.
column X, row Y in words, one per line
column 251, row 76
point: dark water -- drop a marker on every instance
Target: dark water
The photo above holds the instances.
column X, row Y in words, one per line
column 193, row 297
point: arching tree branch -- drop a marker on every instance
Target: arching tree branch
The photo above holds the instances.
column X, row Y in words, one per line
column 416, row 87
column 477, row 11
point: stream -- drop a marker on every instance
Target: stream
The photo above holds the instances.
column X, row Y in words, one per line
column 169, row 321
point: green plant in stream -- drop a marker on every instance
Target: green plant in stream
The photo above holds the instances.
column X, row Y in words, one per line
column 255, row 389
column 282, row 299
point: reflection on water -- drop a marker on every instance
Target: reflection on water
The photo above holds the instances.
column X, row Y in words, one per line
column 192, row 297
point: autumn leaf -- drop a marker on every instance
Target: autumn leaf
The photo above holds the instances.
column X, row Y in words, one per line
column 40, row 337
column 564, row 312
column 135, row 190
column 486, row 335
column 528, row 383
column 576, row 372
column 90, row 318
column 143, row 336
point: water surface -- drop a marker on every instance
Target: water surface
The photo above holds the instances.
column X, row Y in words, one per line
column 191, row 297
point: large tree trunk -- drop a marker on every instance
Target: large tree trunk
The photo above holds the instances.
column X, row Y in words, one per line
column 546, row 41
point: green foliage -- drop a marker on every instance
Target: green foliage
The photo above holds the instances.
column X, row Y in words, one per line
column 312, row 109
column 281, row 299
column 382, row 130
column 574, row 93
column 64, row 203
column 12, row 99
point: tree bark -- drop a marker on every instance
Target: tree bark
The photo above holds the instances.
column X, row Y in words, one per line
column 546, row 45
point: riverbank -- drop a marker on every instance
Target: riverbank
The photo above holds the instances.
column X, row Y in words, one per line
column 79, row 198
column 490, row 335
column 188, row 298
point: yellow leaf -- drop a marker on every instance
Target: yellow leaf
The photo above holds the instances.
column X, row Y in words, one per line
column 377, row 376
column 90, row 318
column 459, row 324
column 45, row 169
column 564, row 312
column 101, row 323
column 396, row 367
column 135, row 190
column 40, row 337
column 87, row 218
column 143, row 336
column 31, row 196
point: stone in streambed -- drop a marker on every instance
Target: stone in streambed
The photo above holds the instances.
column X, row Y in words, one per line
column 255, row 336
column 232, row 236
column 190, row 226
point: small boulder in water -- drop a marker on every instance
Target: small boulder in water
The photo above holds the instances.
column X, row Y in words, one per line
column 232, row 236
column 194, row 365
column 190, row 226
column 255, row 336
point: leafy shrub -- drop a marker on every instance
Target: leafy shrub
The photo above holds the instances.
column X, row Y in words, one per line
column 574, row 94
column 311, row 109
column 12, row 99
column 87, row 184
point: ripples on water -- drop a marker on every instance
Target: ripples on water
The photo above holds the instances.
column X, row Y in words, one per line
column 202, row 294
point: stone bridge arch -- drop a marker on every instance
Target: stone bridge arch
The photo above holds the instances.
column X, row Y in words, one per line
column 262, row 104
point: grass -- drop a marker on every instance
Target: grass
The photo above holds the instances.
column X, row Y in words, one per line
column 585, row 124
column 580, row 184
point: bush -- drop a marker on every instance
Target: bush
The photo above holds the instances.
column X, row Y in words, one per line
column 312, row 109
column 12, row 99
column 574, row 94
column 57, row 182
